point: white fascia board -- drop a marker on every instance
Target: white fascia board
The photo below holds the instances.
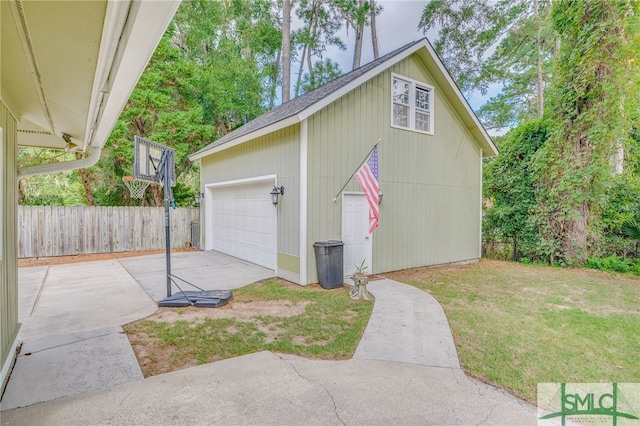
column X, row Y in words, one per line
column 304, row 153
column 232, row 182
column 249, row 136
column 114, row 22
column 481, row 200
column 358, row 81
column 145, row 25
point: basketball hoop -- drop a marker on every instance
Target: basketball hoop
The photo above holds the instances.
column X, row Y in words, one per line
column 136, row 186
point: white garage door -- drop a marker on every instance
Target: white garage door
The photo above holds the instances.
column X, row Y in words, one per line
column 244, row 222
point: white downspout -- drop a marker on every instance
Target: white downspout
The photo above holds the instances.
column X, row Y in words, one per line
column 83, row 163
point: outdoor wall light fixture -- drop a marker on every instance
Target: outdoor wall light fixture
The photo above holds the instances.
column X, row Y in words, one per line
column 199, row 197
column 275, row 193
column 380, row 195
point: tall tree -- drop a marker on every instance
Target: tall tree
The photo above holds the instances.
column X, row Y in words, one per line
column 374, row 31
column 358, row 26
column 235, row 44
column 506, row 42
column 286, row 50
column 163, row 107
column 539, row 75
column 591, row 112
column 356, row 14
column 86, row 182
column 322, row 72
column 321, row 22
column 468, row 30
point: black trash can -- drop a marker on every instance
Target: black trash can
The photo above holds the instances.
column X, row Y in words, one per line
column 329, row 263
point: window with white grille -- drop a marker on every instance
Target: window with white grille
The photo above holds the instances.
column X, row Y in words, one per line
column 411, row 104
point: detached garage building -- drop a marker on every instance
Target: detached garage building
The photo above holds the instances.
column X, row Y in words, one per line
column 430, row 171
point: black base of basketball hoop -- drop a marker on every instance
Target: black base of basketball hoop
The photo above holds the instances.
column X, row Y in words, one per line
column 199, row 299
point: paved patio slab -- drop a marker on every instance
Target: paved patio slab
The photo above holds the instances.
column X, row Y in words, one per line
column 53, row 367
column 208, row 270
column 83, row 296
column 273, row 389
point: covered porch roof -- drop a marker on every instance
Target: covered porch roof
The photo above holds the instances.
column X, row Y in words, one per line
column 67, row 68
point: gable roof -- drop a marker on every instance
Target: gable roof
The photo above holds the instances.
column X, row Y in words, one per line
column 298, row 109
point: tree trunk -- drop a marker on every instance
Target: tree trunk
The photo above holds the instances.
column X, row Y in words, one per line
column 374, row 32
column 306, row 50
column 301, row 70
column 286, row 50
column 539, row 79
column 86, row 182
column 158, row 198
column 21, row 184
column 274, row 81
column 575, row 243
column 357, row 52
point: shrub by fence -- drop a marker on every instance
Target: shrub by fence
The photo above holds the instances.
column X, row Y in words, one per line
column 45, row 231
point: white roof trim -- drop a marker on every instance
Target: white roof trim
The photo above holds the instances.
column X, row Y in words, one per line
column 114, row 22
column 309, row 111
column 253, row 135
column 146, row 23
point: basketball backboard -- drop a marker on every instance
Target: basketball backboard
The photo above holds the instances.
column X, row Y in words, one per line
column 147, row 155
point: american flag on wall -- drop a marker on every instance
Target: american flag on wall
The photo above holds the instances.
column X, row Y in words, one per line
column 367, row 177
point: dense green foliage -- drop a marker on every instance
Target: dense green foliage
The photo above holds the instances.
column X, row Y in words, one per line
column 565, row 193
column 53, row 189
column 487, row 43
column 210, row 74
column 591, row 115
column 510, row 184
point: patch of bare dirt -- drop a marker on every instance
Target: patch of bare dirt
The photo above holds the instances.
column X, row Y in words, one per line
column 155, row 358
column 239, row 310
column 61, row 260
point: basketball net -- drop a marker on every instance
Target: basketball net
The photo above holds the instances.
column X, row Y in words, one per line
column 136, row 186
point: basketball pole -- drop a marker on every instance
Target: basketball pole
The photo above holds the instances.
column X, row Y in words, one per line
column 167, row 227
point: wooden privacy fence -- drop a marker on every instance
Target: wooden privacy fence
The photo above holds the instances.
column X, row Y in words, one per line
column 45, row 231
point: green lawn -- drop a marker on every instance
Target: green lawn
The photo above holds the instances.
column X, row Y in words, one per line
column 309, row 321
column 517, row 325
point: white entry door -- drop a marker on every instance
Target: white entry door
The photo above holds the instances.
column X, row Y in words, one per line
column 355, row 233
column 244, row 222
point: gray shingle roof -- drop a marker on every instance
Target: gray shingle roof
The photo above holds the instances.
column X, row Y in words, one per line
column 299, row 104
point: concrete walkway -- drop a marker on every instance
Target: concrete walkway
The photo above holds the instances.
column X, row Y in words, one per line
column 407, row 325
column 405, row 371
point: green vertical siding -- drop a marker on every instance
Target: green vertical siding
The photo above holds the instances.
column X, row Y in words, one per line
column 8, row 265
column 276, row 153
column 431, row 208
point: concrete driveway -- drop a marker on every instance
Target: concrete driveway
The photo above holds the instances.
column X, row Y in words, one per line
column 208, row 270
column 404, row 371
column 72, row 314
